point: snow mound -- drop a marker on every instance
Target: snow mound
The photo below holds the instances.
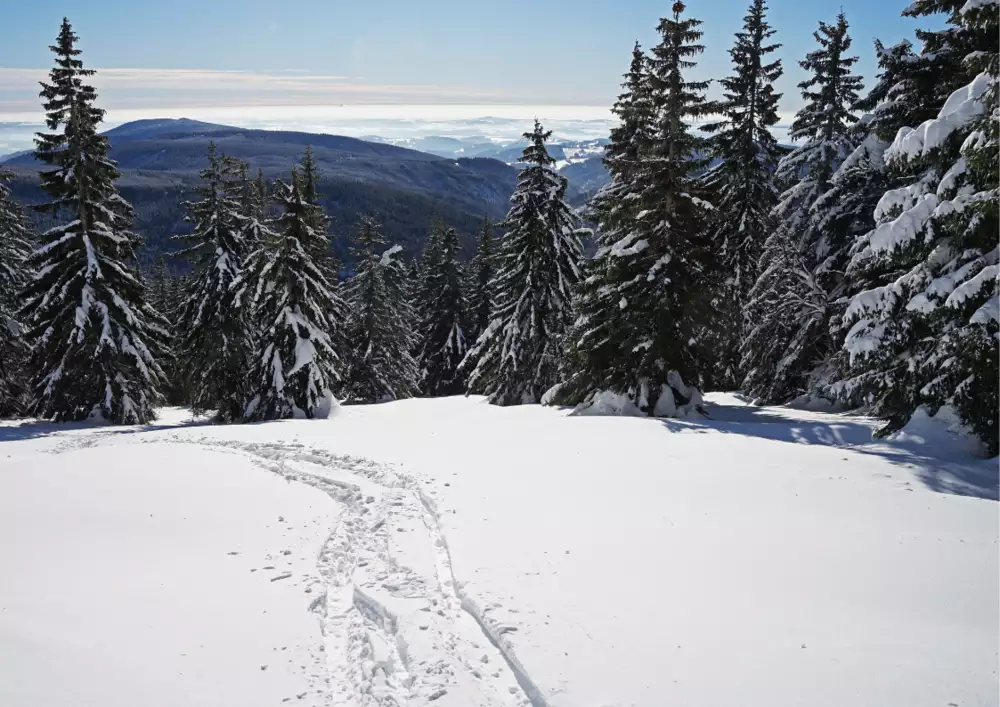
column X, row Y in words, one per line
column 943, row 432
column 608, row 403
column 326, row 407
column 613, row 403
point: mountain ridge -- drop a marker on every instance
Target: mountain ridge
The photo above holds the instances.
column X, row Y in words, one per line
column 159, row 159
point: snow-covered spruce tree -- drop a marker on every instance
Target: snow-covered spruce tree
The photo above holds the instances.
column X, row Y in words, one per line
column 257, row 198
column 323, row 255
column 646, row 297
column 95, row 342
column 742, row 183
column 380, row 366
column 15, row 245
column 216, row 338
column 517, row 357
column 926, row 332
column 479, row 281
column 166, row 293
column 422, row 286
column 413, row 288
column 845, row 211
column 295, row 363
column 442, row 338
column 788, row 310
column 482, row 270
column 604, row 344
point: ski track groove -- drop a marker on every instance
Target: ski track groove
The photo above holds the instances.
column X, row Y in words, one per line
column 362, row 582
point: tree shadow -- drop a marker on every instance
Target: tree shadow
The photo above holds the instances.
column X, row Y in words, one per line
column 941, row 470
column 14, row 431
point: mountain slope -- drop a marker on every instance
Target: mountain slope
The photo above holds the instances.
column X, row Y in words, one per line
column 160, row 159
column 449, row 553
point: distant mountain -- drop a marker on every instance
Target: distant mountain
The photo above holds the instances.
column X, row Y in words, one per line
column 561, row 149
column 580, row 161
column 155, row 127
column 587, row 176
column 159, row 160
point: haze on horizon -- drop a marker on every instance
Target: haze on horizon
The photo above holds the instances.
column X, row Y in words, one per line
column 395, row 70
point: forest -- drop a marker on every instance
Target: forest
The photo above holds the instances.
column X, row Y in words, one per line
column 858, row 269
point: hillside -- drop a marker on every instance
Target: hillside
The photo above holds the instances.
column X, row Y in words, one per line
column 160, row 159
column 761, row 556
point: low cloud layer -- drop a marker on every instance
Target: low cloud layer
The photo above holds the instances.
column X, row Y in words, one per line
column 300, row 101
column 194, row 88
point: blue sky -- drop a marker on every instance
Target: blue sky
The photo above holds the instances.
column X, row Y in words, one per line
column 159, row 55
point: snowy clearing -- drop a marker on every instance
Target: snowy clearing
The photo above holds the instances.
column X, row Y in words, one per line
column 451, row 553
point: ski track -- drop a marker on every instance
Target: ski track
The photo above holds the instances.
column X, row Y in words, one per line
column 392, row 636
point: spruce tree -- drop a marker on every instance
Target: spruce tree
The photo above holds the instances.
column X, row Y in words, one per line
column 16, row 238
column 258, row 198
column 95, row 342
column 788, row 311
column 415, row 292
column 166, row 293
column 845, row 211
column 380, row 366
column 481, row 272
column 603, row 344
column 442, row 337
column 742, row 183
column 323, row 256
column 645, row 297
column 215, row 337
column 517, row 357
column 428, row 263
column 295, row 363
column 925, row 331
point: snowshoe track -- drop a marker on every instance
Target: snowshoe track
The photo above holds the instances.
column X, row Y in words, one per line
column 394, row 636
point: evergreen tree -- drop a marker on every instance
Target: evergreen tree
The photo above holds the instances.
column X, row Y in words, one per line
column 295, row 363
column 644, row 299
column 428, row 263
column 157, row 279
column 415, row 293
column 95, row 341
column 481, row 273
column 845, row 211
column 166, row 293
column 742, row 182
column 380, row 366
column 15, row 245
column 257, row 198
column 603, row 344
column 215, row 337
column 788, row 310
column 925, row 331
column 518, row 355
column 323, row 256
column 442, row 338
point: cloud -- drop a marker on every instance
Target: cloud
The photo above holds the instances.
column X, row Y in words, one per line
column 157, row 88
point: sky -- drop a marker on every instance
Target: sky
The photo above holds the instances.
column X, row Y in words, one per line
column 205, row 58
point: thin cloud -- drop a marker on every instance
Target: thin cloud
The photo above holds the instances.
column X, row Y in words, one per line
column 136, row 87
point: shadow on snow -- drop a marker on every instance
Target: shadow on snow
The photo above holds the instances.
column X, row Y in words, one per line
column 947, row 472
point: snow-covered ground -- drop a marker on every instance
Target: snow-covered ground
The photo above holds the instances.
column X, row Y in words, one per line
column 451, row 553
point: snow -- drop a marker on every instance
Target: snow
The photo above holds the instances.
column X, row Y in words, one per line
column 462, row 554
column 942, row 429
column 628, row 246
column 607, row 402
column 902, row 230
column 962, row 106
column 387, row 257
column 971, row 287
column 132, row 581
column 972, row 5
